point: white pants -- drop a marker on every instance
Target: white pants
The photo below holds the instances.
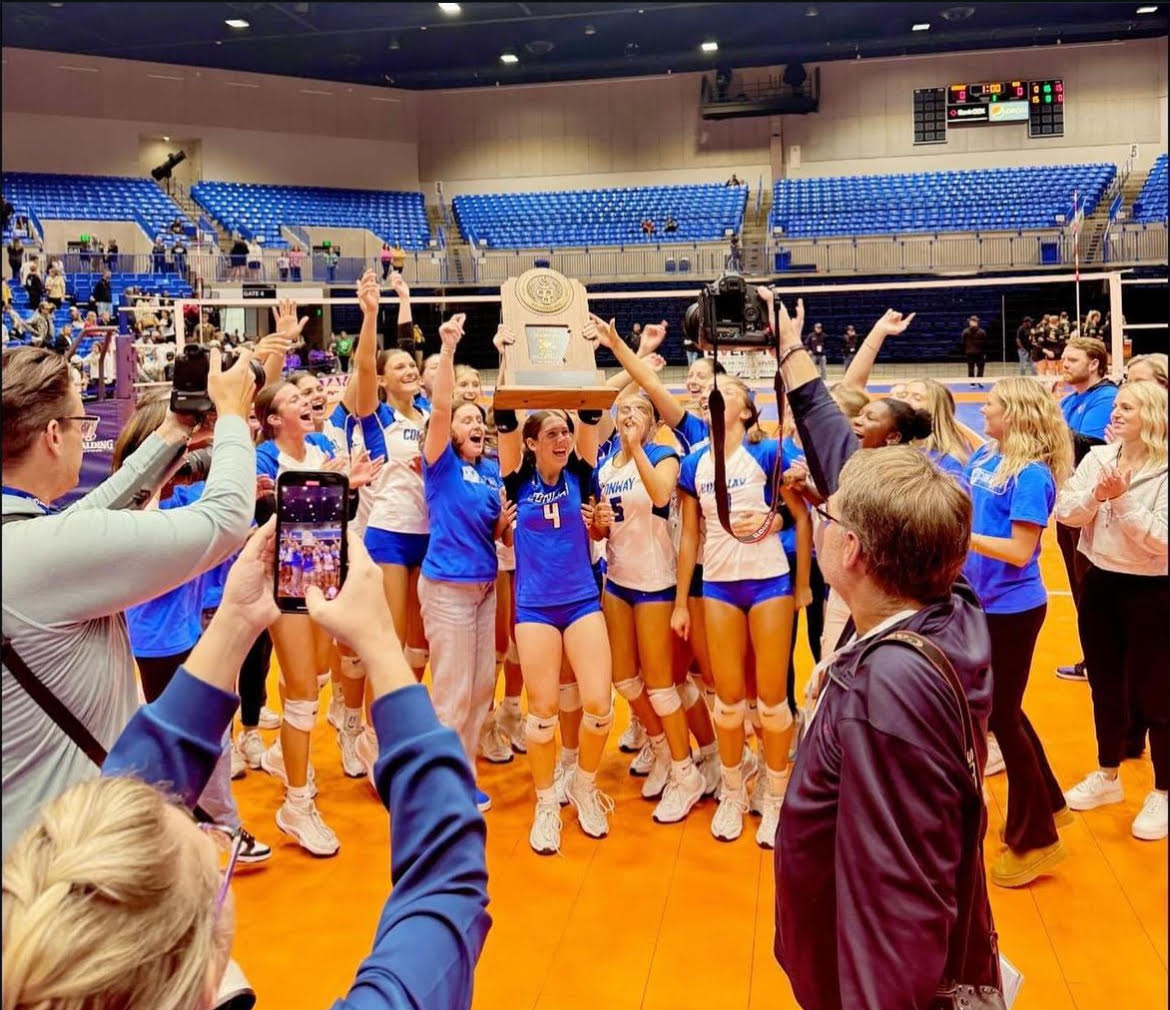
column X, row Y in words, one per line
column 460, row 623
column 836, row 617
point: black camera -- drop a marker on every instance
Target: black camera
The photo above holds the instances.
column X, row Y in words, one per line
column 195, row 467
column 729, row 312
column 189, row 389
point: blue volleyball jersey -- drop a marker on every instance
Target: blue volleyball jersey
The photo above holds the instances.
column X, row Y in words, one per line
column 463, row 500
column 692, row 433
column 554, row 563
column 1029, row 497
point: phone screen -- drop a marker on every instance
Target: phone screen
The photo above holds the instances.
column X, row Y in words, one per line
column 311, row 511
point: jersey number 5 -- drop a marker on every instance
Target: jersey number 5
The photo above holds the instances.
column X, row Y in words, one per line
column 552, row 512
column 619, row 514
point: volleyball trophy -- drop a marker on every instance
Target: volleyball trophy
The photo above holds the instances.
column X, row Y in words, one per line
column 550, row 364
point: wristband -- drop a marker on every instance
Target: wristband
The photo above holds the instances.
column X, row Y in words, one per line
column 787, row 354
column 506, row 421
column 590, row 417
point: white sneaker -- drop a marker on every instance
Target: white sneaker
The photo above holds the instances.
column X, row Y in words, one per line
column 712, row 774
column 994, row 757
column 680, row 796
column 1150, row 824
column 336, row 714
column 351, row 763
column 272, row 761
column 562, row 776
column 634, row 738
column 494, row 744
column 655, row 782
column 251, row 746
column 1095, row 790
column 754, row 781
column 770, row 805
column 511, row 724
column 306, row 826
column 269, row 719
column 239, row 765
column 727, row 824
column 592, row 805
column 644, row 762
column 253, row 850
column 545, row 836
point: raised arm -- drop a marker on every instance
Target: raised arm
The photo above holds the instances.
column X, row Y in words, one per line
column 605, row 334
column 273, row 349
column 439, row 424
column 509, row 444
column 364, row 378
column 890, row 324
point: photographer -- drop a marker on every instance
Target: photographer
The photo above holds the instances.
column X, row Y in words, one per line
column 68, row 576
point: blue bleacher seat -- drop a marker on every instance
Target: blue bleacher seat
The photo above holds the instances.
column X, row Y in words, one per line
column 259, row 211
column 1150, row 205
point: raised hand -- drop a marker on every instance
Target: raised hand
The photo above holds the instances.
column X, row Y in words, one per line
column 598, row 331
column 274, row 343
column 656, row 361
column 398, row 283
column 504, row 338
column 652, row 336
column 789, row 327
column 369, row 293
column 451, row 332
column 893, row 323
column 248, row 589
column 232, row 391
column 284, row 317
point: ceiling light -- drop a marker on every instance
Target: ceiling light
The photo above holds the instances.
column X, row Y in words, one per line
column 811, row 12
column 237, row 23
column 166, row 140
column 451, row 9
column 590, row 30
column 710, row 47
column 509, row 58
column 1148, row 10
column 922, row 26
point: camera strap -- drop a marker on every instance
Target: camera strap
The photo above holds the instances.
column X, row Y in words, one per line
column 722, row 502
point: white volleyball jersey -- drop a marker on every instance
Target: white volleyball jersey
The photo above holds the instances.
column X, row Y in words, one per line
column 749, row 489
column 271, row 461
column 641, row 551
column 397, row 498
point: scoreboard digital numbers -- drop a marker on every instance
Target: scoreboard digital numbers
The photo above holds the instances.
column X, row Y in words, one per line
column 1040, row 104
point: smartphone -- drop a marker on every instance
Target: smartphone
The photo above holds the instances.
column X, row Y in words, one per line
column 311, row 513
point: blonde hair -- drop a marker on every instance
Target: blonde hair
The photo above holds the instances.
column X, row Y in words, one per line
column 148, row 417
column 647, row 408
column 1151, row 401
column 1156, row 363
column 1034, row 431
column 105, row 906
column 945, row 435
column 462, row 371
column 913, row 521
column 755, row 434
column 852, row 401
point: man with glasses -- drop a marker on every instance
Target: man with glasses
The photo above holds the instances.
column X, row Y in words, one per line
column 68, row 575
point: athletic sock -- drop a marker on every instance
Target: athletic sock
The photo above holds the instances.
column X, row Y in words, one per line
column 569, row 756
column 299, row 796
column 680, row 768
column 657, row 740
column 733, row 778
column 709, row 750
column 353, row 720
column 546, row 797
column 589, row 779
column 777, row 782
column 511, row 705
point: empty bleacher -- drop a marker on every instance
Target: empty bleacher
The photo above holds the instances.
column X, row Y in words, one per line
column 1150, row 205
column 259, row 211
column 996, row 199
column 94, row 198
column 600, row 217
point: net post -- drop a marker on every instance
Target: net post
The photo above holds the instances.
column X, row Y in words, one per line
column 1116, row 327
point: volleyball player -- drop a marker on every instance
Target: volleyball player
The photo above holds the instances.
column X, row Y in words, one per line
column 558, row 611
column 397, row 526
column 748, row 596
column 1013, row 481
column 947, row 445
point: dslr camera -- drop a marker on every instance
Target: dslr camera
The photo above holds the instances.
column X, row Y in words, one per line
column 189, row 389
column 731, row 313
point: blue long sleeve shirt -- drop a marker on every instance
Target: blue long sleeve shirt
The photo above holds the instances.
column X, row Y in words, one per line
column 435, row 921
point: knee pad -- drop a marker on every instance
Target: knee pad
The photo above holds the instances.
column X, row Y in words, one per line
column 729, row 716
column 512, row 655
column 539, row 728
column 630, row 689
column 416, row 659
column 351, row 668
column 598, row 725
column 775, row 718
column 570, row 698
column 665, row 700
column 688, row 693
column 753, row 712
column 301, row 714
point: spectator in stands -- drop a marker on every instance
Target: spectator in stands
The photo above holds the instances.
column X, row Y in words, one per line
column 238, row 257
column 735, row 255
column 282, row 265
column 179, row 256
column 296, row 259
column 103, row 295
column 112, row 254
column 205, row 331
column 343, row 348
column 1024, row 346
column 734, row 180
column 647, row 226
column 15, row 257
column 397, row 256
column 331, row 261
column 39, row 326
column 158, row 253
column 849, row 342
column 386, row 257
column 815, row 342
column 55, row 288
column 176, row 227
column 33, row 285
column 975, row 348
column 671, row 225
column 255, row 259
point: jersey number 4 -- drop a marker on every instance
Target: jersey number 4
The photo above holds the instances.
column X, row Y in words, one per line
column 552, row 512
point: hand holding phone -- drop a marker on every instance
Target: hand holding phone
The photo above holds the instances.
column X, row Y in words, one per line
column 311, row 550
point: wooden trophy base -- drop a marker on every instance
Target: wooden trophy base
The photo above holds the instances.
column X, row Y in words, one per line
column 582, row 391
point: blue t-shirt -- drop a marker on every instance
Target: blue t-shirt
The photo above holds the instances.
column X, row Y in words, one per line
column 1028, row 497
column 171, row 623
column 1088, row 413
column 464, row 503
column 554, row 562
column 692, row 432
column 945, row 462
column 790, row 453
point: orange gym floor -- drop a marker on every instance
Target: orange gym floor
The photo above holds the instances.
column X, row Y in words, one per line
column 666, row 918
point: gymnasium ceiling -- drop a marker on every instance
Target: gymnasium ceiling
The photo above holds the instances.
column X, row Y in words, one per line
column 417, row 46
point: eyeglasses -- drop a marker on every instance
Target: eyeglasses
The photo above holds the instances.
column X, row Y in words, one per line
column 230, row 842
column 826, row 517
column 88, row 423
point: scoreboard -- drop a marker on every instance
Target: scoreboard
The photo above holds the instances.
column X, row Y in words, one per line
column 1040, row 104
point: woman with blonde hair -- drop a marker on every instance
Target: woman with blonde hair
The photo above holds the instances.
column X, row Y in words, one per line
column 1013, row 481
column 1118, row 499
column 1147, row 368
column 948, row 446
